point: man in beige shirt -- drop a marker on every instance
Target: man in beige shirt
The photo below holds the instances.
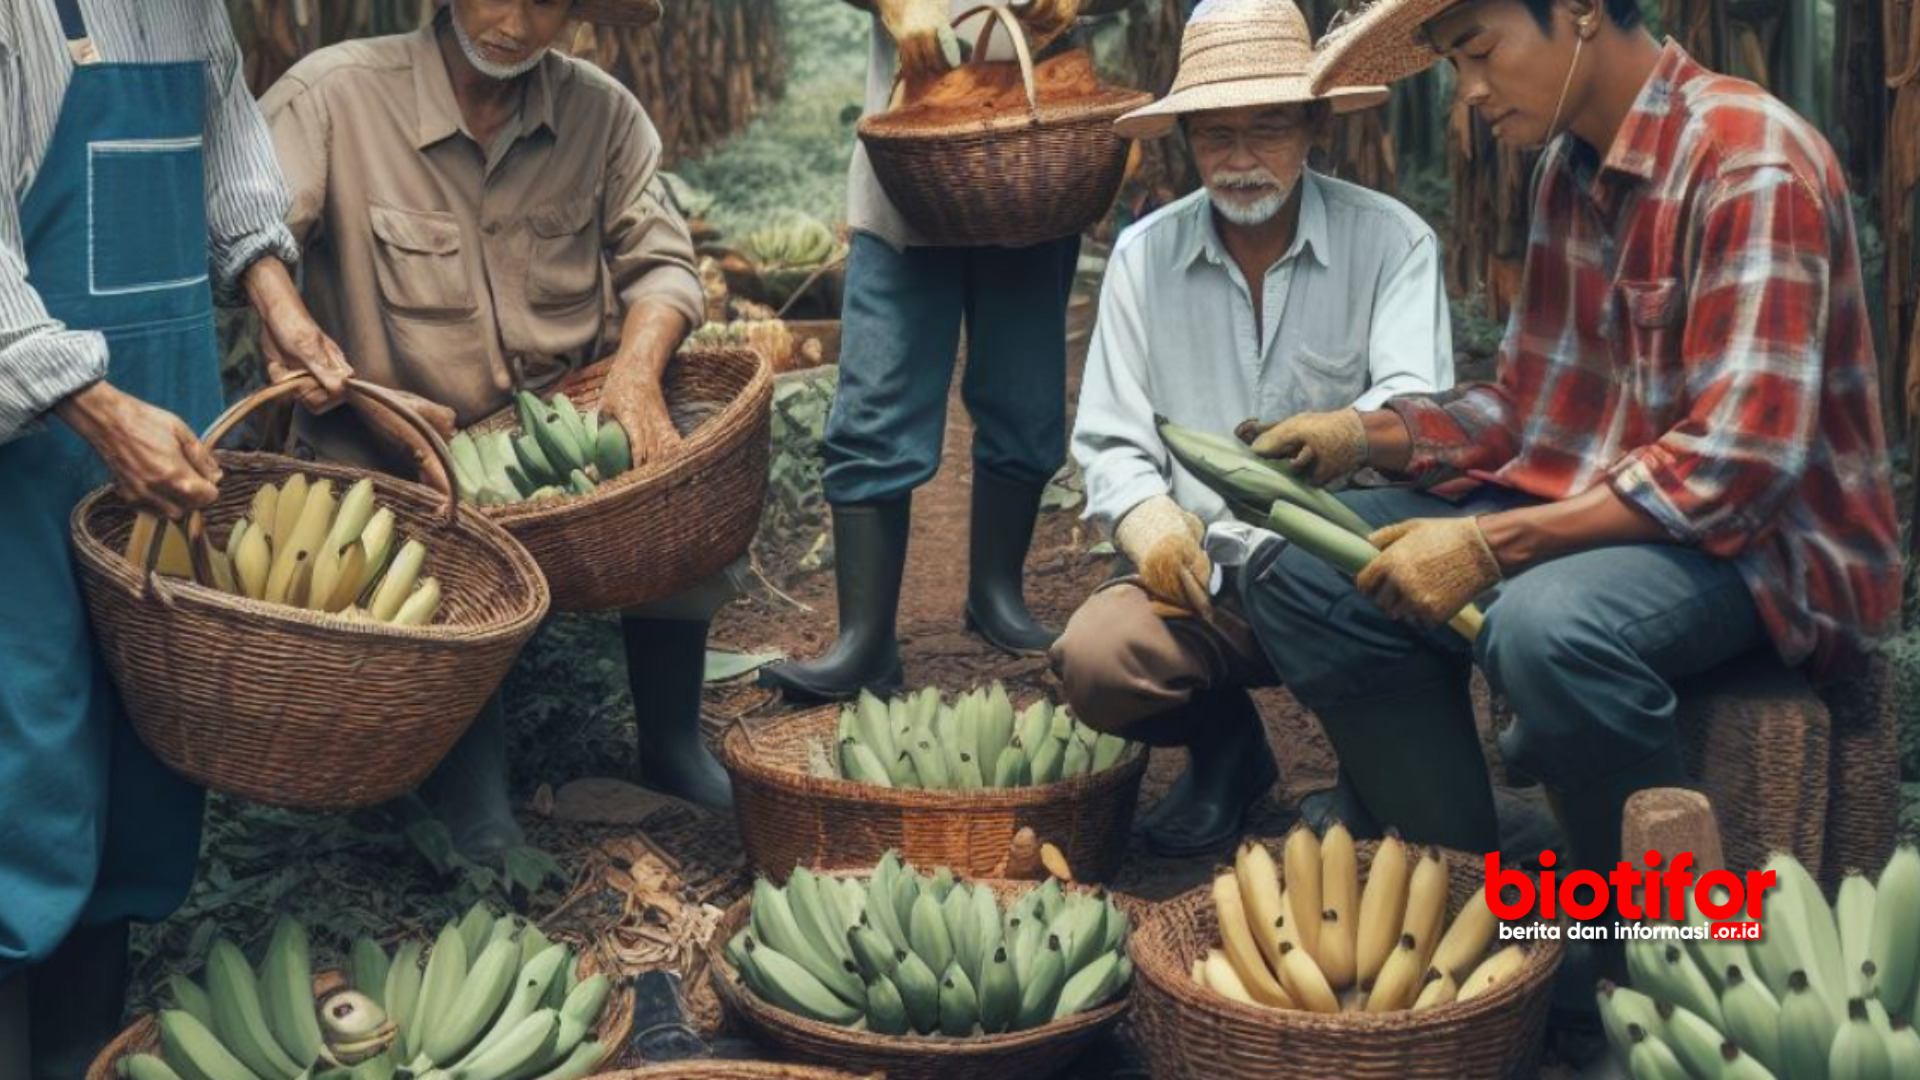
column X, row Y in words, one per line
column 478, row 214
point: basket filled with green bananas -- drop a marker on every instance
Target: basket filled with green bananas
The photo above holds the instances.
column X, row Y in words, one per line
column 924, row 975
column 610, row 529
column 489, row 999
column 948, row 782
column 320, row 635
column 1364, row 960
column 791, row 264
column 1829, row 990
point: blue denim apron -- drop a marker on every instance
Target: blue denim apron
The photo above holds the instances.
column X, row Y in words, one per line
column 92, row 828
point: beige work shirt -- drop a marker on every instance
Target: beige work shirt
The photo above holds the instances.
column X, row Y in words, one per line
column 460, row 274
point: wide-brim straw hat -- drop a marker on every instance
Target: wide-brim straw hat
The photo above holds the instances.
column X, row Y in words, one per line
column 617, row 12
column 1240, row 53
column 1378, row 44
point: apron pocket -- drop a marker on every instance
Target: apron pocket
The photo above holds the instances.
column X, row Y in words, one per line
column 132, row 249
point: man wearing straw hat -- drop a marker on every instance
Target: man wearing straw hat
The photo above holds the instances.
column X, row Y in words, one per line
column 137, row 190
column 479, row 214
column 905, row 305
column 1273, row 288
column 1681, row 457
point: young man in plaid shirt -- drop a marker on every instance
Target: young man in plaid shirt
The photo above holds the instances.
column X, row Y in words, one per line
column 1681, row 458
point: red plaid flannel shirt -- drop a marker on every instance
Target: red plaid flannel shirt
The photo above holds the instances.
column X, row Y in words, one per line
column 1692, row 330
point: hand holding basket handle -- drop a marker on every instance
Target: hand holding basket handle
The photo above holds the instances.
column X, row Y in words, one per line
column 927, row 46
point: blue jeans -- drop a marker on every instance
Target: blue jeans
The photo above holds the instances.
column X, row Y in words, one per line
column 1585, row 648
column 900, row 337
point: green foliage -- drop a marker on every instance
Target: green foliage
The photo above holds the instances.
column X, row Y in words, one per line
column 795, row 505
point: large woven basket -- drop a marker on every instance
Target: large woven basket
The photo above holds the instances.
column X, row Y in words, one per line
column 143, row 1035
column 1038, row 1052
column 1013, row 180
column 293, row 707
column 665, row 526
column 1190, row 1033
column 789, row 817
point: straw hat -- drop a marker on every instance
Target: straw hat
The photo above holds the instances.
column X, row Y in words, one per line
column 1376, row 44
column 617, row 12
column 1237, row 53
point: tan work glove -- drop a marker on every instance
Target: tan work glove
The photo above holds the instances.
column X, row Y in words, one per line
column 1326, row 447
column 1429, row 568
column 927, row 46
column 1164, row 543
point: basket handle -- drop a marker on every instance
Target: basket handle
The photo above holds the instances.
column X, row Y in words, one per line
column 1021, row 49
column 435, row 477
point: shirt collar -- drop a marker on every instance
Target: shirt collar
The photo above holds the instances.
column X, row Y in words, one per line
column 1636, row 147
column 438, row 111
column 1310, row 235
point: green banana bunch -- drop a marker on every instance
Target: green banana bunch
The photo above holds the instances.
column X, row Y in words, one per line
column 797, row 241
column 929, row 954
column 559, row 451
column 1828, row 992
column 494, row 1000
column 978, row 740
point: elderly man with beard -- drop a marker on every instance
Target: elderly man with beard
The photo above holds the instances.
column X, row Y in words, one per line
column 478, row 214
column 1272, row 292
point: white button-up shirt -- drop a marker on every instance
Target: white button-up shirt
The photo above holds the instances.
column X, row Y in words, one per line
column 1354, row 313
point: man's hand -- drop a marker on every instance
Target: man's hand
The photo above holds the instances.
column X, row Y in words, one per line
column 290, row 340
column 157, row 462
column 1429, row 569
column 633, row 399
column 1326, row 447
column 1164, row 543
column 925, row 39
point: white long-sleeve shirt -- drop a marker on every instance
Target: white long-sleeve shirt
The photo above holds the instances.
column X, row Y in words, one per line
column 41, row 361
column 1354, row 313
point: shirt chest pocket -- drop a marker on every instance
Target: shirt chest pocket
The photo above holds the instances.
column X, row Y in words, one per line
column 1327, row 376
column 417, row 259
column 1650, row 316
column 565, row 268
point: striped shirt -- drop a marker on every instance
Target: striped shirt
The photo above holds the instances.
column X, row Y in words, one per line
column 41, row 361
column 1692, row 331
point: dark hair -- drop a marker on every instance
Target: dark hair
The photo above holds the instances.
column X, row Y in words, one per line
column 1624, row 13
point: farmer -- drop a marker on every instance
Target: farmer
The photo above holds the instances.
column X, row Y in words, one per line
column 139, row 188
column 1274, row 289
column 1680, row 459
column 478, row 214
column 905, row 303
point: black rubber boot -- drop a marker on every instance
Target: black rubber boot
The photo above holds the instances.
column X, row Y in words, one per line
column 77, row 996
column 1000, row 532
column 1591, row 816
column 1414, row 756
column 1229, row 768
column 869, row 557
column 1340, row 803
column 666, row 661
column 469, row 794
column 15, row 1056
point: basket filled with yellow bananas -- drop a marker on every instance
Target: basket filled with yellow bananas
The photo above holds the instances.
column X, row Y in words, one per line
column 924, row 976
column 320, row 636
column 946, row 781
column 609, row 533
column 490, row 999
column 1318, row 956
column 1005, row 153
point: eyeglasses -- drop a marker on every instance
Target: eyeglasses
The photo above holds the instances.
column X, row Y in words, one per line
column 1261, row 140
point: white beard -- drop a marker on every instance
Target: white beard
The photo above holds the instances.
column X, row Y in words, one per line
column 486, row 67
column 1259, row 211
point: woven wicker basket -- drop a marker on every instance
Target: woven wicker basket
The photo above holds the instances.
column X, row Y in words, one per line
column 1190, row 1033
column 1038, row 1052
column 790, row 817
column 667, row 526
column 1012, row 180
column 143, row 1035
column 729, row 1070
column 293, row 707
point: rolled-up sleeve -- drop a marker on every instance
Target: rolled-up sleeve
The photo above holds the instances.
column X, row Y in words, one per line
column 649, row 250
column 1114, row 439
column 41, row 361
column 246, row 197
column 1410, row 341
